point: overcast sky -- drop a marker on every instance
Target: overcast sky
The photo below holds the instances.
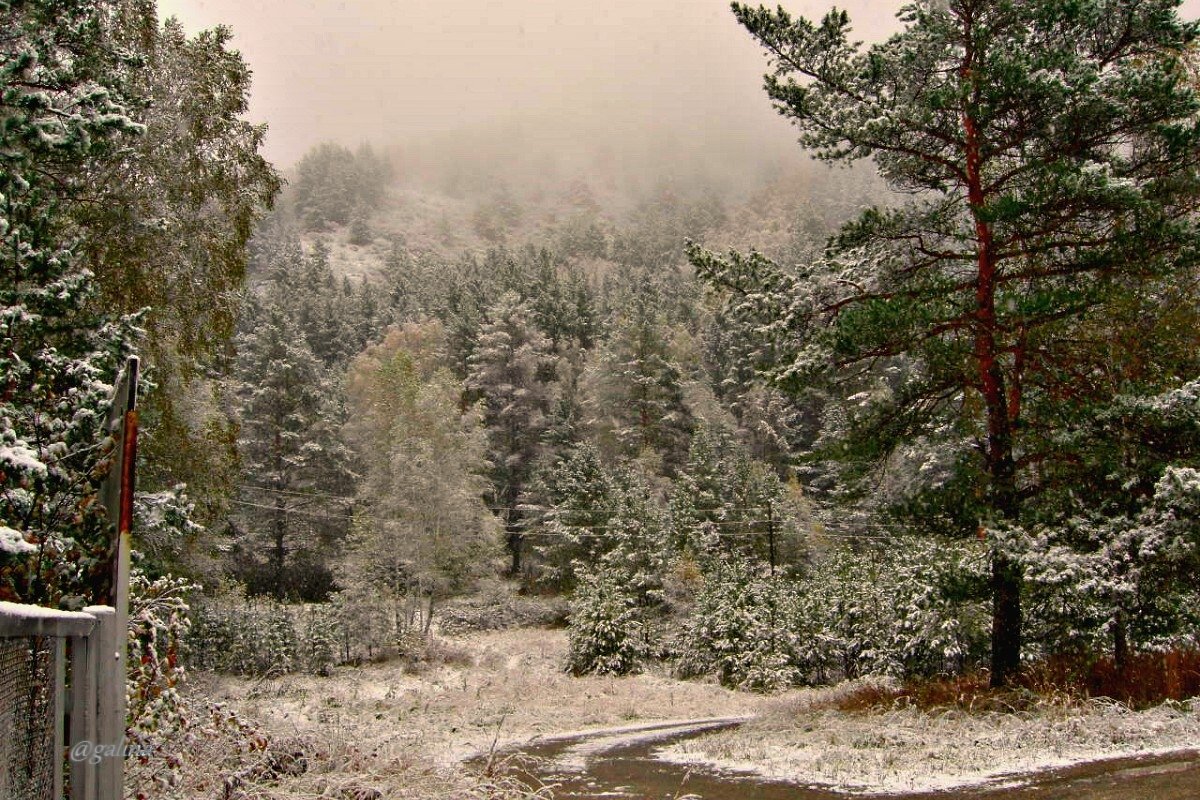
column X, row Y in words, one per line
column 380, row 70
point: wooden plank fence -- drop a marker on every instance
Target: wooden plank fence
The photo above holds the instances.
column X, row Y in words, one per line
column 62, row 696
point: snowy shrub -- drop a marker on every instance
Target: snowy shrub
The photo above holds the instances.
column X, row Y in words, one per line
column 910, row 609
column 246, row 639
column 906, row 611
column 158, row 622
column 738, row 629
column 608, row 632
column 259, row 637
column 1118, row 583
column 319, row 643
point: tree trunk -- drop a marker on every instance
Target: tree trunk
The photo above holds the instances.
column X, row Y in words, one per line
column 514, row 547
column 279, row 551
column 1006, row 620
column 1120, row 644
column 1006, row 573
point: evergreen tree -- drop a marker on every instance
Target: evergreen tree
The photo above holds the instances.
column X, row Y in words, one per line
column 608, row 633
column 57, row 356
column 597, row 517
column 579, row 497
column 1051, row 153
column 635, row 388
column 292, row 460
column 512, row 370
column 724, row 502
column 334, row 185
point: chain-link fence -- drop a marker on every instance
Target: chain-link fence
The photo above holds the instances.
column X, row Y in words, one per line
column 27, row 718
column 43, row 715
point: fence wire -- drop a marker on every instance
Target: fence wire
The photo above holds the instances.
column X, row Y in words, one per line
column 27, row 721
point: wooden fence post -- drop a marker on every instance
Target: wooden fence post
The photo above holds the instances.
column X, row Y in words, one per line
column 59, row 656
column 23, row 622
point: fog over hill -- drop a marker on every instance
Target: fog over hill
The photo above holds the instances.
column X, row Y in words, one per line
column 535, row 107
column 625, row 73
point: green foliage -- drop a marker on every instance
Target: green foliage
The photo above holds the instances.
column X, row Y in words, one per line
column 738, row 629
column 1124, row 583
column 634, row 387
column 910, row 609
column 608, row 633
column 1053, row 165
column 601, row 518
column 166, row 218
column 423, row 529
column 334, row 185
column 57, row 356
column 724, row 502
column 290, row 449
column 247, row 638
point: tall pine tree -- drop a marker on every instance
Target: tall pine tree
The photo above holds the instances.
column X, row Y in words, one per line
column 1050, row 154
column 511, row 370
column 292, row 458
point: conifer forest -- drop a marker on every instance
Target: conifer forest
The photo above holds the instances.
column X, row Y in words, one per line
column 862, row 428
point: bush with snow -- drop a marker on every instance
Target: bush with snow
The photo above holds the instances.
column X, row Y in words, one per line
column 608, row 633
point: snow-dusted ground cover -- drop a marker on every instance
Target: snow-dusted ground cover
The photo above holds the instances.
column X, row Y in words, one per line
column 908, row 750
column 405, row 734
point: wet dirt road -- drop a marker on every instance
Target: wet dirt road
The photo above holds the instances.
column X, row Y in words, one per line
column 622, row 765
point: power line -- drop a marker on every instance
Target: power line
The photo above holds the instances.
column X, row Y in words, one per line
column 593, row 532
column 294, row 492
column 518, row 507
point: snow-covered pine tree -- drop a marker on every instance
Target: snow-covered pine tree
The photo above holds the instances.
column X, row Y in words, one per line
column 1051, row 152
column 634, row 387
column 608, row 633
column 579, row 500
column 57, row 355
column 725, row 502
column 511, row 371
column 292, row 457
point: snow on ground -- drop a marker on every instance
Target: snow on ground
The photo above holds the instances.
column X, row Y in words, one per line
column 909, row 750
column 506, row 687
column 576, row 756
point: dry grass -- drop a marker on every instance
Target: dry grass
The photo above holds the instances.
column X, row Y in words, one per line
column 1146, row 681
column 387, row 731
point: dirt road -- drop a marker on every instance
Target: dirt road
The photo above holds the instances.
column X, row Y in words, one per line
column 622, row 764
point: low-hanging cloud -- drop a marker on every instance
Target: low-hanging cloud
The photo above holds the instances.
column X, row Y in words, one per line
column 380, row 70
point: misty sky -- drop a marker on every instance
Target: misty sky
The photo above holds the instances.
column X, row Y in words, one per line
column 382, row 70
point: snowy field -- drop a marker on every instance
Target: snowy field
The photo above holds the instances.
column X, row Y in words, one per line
column 404, row 734
column 407, row 733
column 909, row 750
